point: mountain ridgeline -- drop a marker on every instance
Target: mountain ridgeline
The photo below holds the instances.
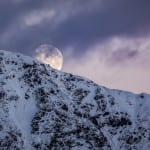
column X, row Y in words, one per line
column 45, row 109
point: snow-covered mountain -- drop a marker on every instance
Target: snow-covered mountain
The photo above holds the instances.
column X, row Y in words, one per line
column 43, row 109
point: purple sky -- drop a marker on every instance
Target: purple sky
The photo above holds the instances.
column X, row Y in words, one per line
column 106, row 41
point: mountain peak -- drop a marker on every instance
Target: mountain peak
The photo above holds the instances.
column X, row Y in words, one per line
column 42, row 108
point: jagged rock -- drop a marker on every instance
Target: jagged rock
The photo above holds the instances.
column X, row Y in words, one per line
column 44, row 109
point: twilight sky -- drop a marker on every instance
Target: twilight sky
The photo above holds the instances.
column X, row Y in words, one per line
column 107, row 41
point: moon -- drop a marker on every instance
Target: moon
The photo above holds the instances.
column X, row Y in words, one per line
column 49, row 54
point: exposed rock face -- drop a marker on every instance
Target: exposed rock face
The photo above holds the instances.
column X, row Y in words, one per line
column 43, row 109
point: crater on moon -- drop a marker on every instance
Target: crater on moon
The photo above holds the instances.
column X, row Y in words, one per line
column 49, row 54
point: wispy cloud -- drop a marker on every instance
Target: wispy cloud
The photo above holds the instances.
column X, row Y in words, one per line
column 119, row 62
column 67, row 22
column 37, row 17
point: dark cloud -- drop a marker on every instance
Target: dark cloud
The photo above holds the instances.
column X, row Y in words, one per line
column 85, row 24
column 119, row 18
column 121, row 56
column 10, row 11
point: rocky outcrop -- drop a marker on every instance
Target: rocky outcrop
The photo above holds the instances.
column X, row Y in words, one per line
column 42, row 109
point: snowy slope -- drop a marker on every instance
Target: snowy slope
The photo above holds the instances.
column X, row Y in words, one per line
column 42, row 108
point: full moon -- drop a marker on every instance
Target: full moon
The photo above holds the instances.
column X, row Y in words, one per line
column 49, row 54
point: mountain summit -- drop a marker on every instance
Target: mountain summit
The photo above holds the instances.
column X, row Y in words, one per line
column 45, row 109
